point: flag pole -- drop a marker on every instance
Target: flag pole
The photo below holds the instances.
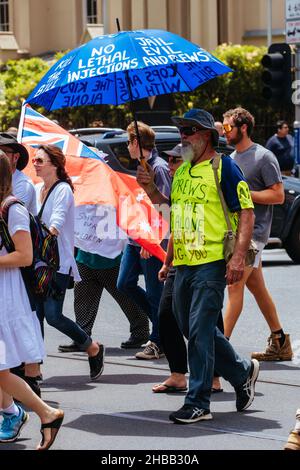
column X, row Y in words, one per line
column 132, row 109
column 21, row 122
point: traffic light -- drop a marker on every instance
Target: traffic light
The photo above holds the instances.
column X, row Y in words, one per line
column 277, row 76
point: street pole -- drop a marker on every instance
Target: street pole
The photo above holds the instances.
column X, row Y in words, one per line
column 297, row 111
column 269, row 16
column 105, row 16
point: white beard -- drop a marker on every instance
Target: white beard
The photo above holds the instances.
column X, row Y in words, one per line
column 187, row 152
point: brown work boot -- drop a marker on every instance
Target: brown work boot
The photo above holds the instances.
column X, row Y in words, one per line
column 293, row 442
column 274, row 352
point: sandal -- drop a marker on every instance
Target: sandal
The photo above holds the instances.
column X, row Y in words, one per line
column 165, row 388
column 54, row 426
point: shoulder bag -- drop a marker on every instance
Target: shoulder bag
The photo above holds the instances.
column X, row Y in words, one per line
column 230, row 234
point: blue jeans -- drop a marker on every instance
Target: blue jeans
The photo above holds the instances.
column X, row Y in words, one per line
column 132, row 265
column 197, row 303
column 52, row 309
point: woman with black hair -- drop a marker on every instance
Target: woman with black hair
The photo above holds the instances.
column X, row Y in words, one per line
column 58, row 215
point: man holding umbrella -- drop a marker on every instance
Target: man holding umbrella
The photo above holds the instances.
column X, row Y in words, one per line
column 198, row 227
column 136, row 260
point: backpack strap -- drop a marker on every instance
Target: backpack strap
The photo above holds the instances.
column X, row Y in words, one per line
column 6, row 239
column 9, row 201
column 48, row 194
column 8, row 243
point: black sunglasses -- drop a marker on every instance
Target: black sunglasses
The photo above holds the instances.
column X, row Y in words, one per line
column 189, row 130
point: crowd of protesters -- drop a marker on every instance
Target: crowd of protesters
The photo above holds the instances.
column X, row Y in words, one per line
column 183, row 297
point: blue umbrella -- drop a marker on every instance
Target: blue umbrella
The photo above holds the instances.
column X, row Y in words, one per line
column 129, row 65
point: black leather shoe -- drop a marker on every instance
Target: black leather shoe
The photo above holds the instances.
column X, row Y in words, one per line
column 72, row 347
column 97, row 363
column 133, row 343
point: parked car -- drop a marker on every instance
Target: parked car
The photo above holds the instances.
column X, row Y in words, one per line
column 100, row 132
column 114, row 142
column 285, row 230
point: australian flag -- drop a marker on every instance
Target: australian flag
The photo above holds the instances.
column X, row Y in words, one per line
column 110, row 206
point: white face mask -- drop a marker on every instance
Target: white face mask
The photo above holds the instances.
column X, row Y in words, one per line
column 187, row 152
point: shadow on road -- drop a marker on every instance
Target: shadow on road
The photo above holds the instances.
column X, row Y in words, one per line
column 71, row 382
column 278, row 366
column 130, row 379
column 77, row 383
column 228, row 396
column 15, row 445
column 143, row 423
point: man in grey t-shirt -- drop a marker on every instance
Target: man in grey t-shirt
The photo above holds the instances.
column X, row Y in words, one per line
column 262, row 173
column 261, row 170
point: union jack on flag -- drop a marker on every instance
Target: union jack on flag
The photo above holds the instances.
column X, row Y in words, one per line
column 103, row 197
column 35, row 129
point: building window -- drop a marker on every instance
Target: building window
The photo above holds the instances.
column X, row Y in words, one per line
column 92, row 17
column 4, row 15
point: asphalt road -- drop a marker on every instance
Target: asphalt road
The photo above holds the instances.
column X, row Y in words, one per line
column 121, row 412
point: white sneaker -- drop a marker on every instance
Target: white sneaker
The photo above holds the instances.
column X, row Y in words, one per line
column 151, row 351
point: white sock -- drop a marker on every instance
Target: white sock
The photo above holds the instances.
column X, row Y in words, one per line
column 297, row 425
column 12, row 409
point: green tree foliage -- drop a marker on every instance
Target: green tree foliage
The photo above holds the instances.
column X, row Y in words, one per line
column 241, row 87
column 18, row 78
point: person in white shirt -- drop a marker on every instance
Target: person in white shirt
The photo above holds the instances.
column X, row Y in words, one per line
column 20, row 334
column 23, row 189
column 22, row 186
column 58, row 215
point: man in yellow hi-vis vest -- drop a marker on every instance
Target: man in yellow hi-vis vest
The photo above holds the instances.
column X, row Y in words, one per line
column 198, row 227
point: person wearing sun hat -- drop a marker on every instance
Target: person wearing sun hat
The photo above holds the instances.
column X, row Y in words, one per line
column 198, row 226
column 18, row 155
column 197, row 119
column 174, row 152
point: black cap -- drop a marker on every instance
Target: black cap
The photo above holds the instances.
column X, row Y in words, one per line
column 10, row 141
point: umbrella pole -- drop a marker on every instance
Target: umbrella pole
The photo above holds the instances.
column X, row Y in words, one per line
column 142, row 158
column 131, row 105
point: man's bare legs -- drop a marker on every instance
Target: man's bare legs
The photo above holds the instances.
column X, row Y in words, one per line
column 257, row 287
column 279, row 346
column 235, row 302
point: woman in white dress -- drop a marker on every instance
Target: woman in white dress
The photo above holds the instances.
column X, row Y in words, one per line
column 58, row 215
column 20, row 334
